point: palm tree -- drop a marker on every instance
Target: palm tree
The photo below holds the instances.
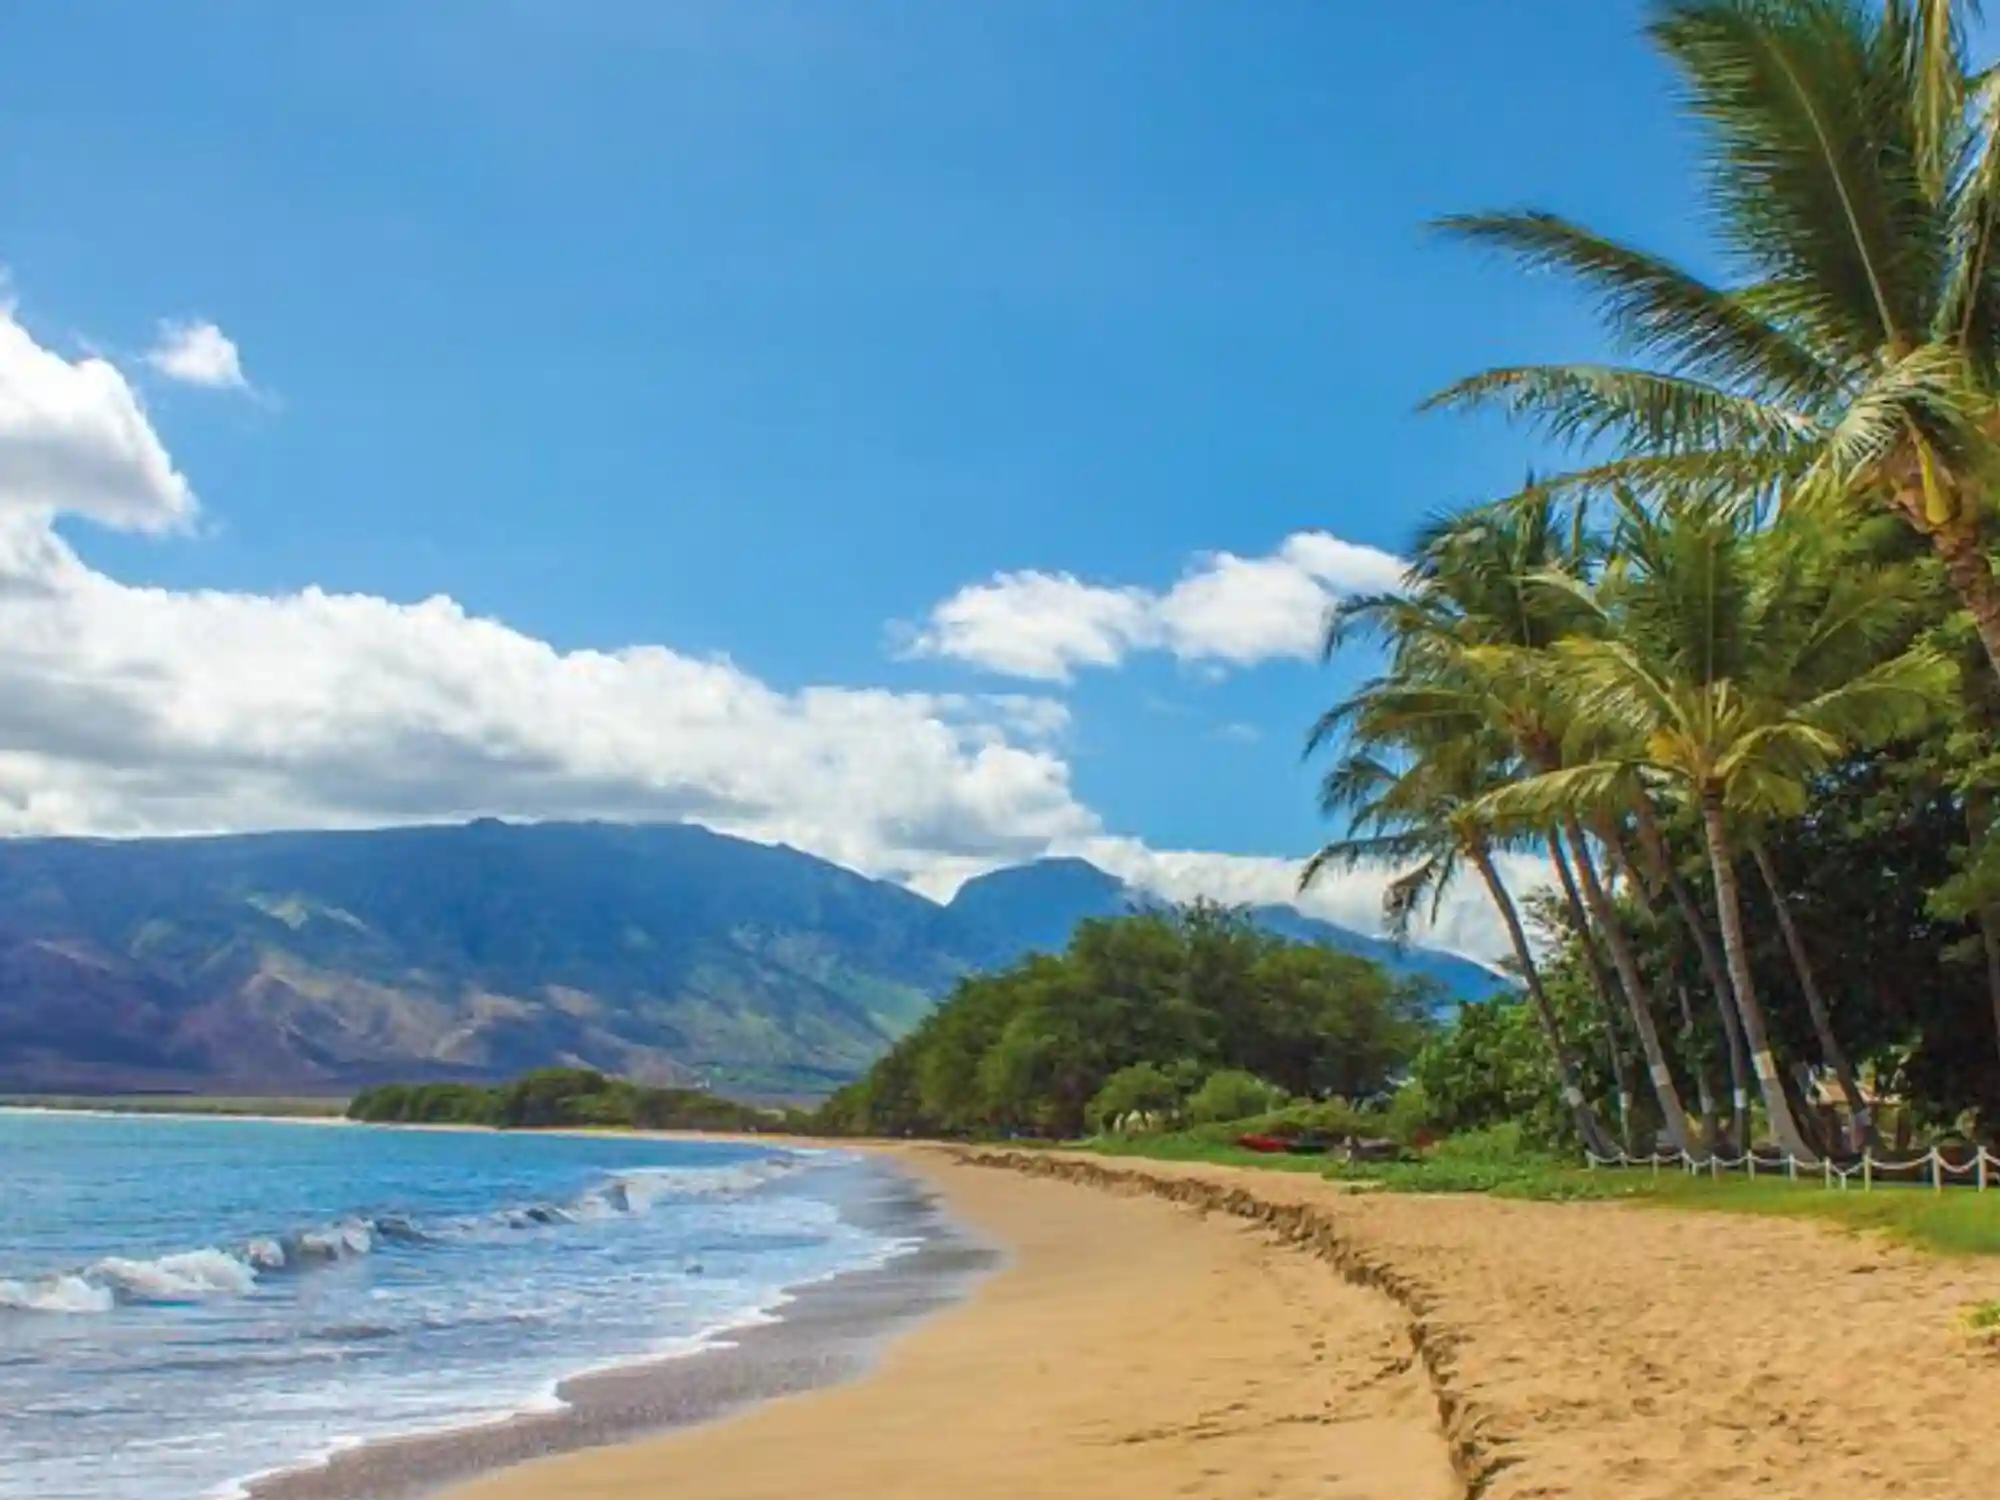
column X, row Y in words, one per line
column 1815, row 998
column 1421, row 814
column 1731, row 664
column 1601, row 980
column 1659, row 857
column 1853, row 175
column 1470, row 589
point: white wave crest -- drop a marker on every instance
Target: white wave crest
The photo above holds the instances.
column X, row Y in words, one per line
column 56, row 1294
column 337, row 1241
column 188, row 1277
column 639, row 1190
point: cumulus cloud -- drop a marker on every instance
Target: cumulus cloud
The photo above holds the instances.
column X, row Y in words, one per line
column 75, row 440
column 1225, row 610
column 198, row 353
column 127, row 710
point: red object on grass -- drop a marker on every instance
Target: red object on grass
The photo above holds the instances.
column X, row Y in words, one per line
column 1264, row 1143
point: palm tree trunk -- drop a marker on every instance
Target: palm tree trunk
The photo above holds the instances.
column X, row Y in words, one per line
column 1600, row 983
column 1595, row 1139
column 1729, row 905
column 1711, row 1118
column 1822, row 1020
column 1962, row 550
column 1637, row 1000
column 1714, row 967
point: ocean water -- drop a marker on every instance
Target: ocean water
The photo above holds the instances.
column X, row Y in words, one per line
column 185, row 1304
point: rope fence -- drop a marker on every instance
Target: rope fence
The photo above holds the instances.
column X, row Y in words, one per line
column 1938, row 1169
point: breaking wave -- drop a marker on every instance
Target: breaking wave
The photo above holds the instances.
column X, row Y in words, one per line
column 197, row 1275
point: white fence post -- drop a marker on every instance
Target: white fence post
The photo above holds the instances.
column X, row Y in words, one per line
column 1980, row 1169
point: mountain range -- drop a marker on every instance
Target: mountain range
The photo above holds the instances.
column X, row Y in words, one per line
column 318, row 962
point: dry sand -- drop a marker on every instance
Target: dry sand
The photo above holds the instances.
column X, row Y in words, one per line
column 1613, row 1352
column 1128, row 1350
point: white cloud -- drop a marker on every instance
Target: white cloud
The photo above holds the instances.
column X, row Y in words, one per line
column 128, row 710
column 1225, row 610
column 1038, row 625
column 198, row 353
column 75, row 440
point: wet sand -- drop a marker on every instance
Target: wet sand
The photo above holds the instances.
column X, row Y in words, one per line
column 830, row 1332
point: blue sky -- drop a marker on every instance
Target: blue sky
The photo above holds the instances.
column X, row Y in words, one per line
column 760, row 330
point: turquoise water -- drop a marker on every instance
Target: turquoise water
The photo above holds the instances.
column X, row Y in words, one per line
column 187, row 1303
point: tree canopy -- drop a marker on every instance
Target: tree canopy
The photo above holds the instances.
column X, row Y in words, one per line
column 1141, row 1013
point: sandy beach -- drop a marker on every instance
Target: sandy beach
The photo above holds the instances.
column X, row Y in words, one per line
column 1204, row 1332
column 1126, row 1349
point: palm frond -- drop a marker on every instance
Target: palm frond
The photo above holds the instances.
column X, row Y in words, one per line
column 1815, row 155
column 1656, row 309
column 1930, row 36
column 1552, row 796
column 1968, row 314
column 1581, row 406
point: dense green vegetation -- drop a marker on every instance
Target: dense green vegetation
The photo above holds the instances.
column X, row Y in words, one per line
column 1731, row 672
column 561, row 1098
column 1196, row 1012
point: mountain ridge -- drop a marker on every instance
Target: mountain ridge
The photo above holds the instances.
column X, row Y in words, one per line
column 323, row 961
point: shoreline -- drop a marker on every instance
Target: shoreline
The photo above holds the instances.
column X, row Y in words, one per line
column 1126, row 1349
column 820, row 1333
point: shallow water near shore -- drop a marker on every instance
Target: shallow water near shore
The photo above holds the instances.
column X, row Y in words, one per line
column 186, row 1305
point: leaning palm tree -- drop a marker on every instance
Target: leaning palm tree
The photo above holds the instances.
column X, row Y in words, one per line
column 1471, row 589
column 1853, row 178
column 1732, row 664
column 1807, row 977
column 1414, row 806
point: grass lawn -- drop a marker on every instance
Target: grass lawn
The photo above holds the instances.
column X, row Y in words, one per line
column 1955, row 1222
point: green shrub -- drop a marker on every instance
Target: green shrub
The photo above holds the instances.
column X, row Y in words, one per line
column 1334, row 1119
column 1232, row 1095
column 557, row 1098
column 1411, row 1115
column 1143, row 1088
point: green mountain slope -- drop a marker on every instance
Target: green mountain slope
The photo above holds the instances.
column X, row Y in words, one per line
column 326, row 959
column 304, row 962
